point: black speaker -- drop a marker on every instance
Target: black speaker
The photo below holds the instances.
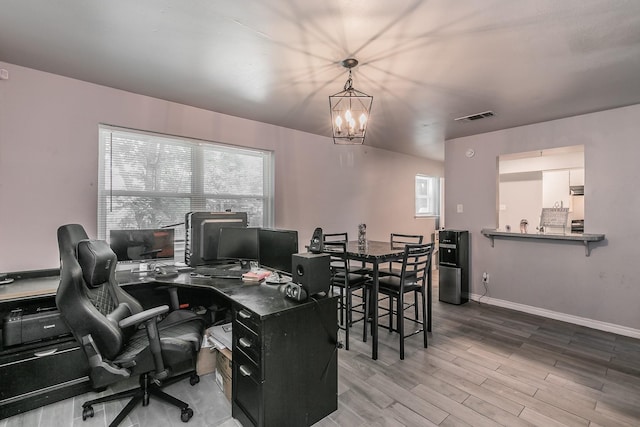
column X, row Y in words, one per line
column 315, row 245
column 312, row 271
column 294, row 292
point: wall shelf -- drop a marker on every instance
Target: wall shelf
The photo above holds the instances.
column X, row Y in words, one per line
column 586, row 239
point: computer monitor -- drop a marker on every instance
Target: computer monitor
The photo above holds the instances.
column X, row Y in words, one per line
column 202, row 230
column 238, row 243
column 276, row 248
column 142, row 245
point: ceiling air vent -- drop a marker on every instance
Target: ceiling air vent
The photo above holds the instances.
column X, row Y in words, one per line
column 473, row 117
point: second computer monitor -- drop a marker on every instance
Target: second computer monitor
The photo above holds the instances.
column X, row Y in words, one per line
column 142, row 245
column 276, row 248
column 238, row 243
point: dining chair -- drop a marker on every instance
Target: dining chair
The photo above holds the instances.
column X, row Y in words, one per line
column 344, row 237
column 399, row 241
column 413, row 277
column 347, row 282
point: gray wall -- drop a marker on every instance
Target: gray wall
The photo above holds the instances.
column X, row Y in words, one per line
column 49, row 166
column 548, row 278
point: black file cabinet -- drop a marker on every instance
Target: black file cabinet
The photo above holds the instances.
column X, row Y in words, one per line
column 37, row 374
column 285, row 365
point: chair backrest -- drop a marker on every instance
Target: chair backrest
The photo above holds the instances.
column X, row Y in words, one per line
column 399, row 240
column 338, row 253
column 335, row 237
column 88, row 297
column 416, row 262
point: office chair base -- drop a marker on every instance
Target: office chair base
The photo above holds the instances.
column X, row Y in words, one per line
column 142, row 394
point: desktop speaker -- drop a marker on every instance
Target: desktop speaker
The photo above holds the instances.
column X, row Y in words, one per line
column 315, row 245
column 294, row 292
column 312, row 272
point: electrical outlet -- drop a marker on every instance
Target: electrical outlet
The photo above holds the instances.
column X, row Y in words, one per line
column 485, row 277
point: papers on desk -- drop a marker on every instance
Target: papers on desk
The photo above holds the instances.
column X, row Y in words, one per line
column 218, row 337
column 255, row 275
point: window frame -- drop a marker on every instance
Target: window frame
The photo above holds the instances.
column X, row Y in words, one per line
column 434, row 184
column 196, row 194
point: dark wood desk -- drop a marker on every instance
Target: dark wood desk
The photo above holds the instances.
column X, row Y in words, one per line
column 284, row 352
column 376, row 253
column 285, row 362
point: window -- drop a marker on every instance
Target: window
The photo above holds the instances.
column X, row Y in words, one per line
column 427, row 195
column 150, row 181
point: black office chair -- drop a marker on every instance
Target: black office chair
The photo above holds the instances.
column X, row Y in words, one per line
column 347, row 282
column 414, row 276
column 119, row 339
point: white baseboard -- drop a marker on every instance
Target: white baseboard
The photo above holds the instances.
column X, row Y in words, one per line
column 582, row 321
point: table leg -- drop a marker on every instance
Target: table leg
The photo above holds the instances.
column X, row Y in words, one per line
column 374, row 321
column 429, row 296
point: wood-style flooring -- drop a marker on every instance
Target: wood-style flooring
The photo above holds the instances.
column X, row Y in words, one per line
column 485, row 366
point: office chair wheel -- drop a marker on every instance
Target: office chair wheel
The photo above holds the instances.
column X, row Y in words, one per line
column 194, row 379
column 186, row 414
column 87, row 412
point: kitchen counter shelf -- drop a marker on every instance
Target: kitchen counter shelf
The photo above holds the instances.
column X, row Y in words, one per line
column 586, row 239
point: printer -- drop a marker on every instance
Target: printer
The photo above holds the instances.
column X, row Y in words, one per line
column 27, row 325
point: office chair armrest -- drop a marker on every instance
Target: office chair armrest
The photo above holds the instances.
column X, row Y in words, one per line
column 143, row 316
column 150, row 319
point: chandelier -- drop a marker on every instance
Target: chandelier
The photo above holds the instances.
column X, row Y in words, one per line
column 350, row 111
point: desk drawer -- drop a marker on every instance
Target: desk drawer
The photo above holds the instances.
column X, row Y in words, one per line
column 247, row 318
column 247, row 390
column 248, row 342
column 38, row 368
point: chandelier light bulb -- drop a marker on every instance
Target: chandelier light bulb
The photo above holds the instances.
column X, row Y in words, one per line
column 363, row 121
column 339, row 124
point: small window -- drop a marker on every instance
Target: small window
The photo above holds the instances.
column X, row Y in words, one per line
column 427, row 196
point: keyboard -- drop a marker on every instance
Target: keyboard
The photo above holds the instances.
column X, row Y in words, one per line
column 219, row 272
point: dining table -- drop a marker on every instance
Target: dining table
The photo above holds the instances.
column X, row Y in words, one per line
column 376, row 253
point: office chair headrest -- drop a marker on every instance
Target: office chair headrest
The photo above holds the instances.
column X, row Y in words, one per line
column 97, row 261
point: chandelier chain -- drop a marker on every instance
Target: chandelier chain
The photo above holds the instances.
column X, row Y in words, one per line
column 349, row 84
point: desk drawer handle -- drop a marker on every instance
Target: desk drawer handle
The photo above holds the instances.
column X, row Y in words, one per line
column 244, row 342
column 46, row 353
column 246, row 372
column 244, row 314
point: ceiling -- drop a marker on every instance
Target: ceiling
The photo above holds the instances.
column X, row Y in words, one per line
column 277, row 61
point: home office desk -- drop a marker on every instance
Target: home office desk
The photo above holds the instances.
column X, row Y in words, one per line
column 284, row 352
column 376, row 253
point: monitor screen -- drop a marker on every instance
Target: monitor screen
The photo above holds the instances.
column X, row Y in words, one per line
column 238, row 243
column 142, row 245
column 208, row 232
column 276, row 248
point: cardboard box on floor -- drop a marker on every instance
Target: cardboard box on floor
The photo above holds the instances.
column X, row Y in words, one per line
column 206, row 362
column 224, row 371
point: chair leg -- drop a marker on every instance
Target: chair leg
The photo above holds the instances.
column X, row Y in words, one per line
column 139, row 395
column 347, row 325
column 424, row 319
column 400, row 321
column 342, row 309
column 390, row 313
column 127, row 409
column 367, row 298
